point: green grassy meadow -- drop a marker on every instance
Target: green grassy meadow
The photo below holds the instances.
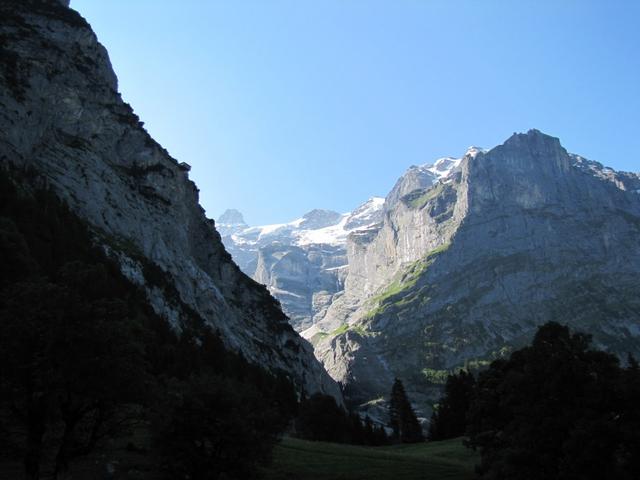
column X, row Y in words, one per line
column 304, row 460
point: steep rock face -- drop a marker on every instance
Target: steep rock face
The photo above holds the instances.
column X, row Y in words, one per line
column 464, row 270
column 62, row 117
column 377, row 255
column 304, row 279
column 303, row 263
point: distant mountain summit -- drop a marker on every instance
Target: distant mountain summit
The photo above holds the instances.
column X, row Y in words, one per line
column 318, row 218
column 231, row 217
column 474, row 253
column 459, row 264
column 461, row 261
column 302, row 262
column 230, row 222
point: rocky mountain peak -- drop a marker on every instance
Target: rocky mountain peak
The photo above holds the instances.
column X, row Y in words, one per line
column 319, row 218
column 302, row 262
column 444, row 164
column 413, row 179
column 230, row 222
column 473, row 151
column 464, row 268
column 231, row 216
column 367, row 214
column 533, row 140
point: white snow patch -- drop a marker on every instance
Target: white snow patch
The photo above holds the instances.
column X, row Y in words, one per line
column 310, row 332
column 268, row 229
column 336, row 268
column 332, row 235
column 442, row 168
column 278, row 291
column 473, row 151
column 293, row 233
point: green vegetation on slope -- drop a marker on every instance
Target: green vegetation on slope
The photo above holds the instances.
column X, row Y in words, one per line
column 406, row 281
column 304, row 460
column 421, row 200
column 346, row 327
column 359, row 329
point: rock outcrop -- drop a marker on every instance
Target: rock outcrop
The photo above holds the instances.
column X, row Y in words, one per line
column 465, row 266
column 62, row 118
column 303, row 263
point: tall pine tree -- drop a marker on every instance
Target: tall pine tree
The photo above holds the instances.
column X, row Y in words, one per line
column 402, row 418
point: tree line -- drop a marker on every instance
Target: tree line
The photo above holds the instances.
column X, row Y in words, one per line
column 88, row 368
column 557, row 409
column 85, row 362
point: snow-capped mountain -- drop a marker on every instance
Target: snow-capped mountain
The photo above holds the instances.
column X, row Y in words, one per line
column 302, row 262
column 444, row 167
column 461, row 261
column 463, row 268
column 315, row 227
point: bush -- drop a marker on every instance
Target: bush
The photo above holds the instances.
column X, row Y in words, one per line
column 212, row 427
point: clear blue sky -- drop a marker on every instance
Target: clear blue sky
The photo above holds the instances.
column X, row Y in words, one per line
column 284, row 106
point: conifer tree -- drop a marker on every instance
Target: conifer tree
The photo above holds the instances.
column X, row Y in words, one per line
column 402, row 418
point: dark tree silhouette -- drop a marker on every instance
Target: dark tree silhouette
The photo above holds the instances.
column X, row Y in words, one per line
column 557, row 410
column 213, row 427
column 321, row 418
column 449, row 418
column 68, row 359
column 402, row 418
column 83, row 356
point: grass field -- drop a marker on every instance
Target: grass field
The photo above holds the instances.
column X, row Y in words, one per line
column 303, row 460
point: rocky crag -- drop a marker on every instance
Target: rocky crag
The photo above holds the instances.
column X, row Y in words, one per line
column 472, row 255
column 303, row 263
column 63, row 120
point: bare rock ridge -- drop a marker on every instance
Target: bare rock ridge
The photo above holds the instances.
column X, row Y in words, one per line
column 463, row 268
column 61, row 116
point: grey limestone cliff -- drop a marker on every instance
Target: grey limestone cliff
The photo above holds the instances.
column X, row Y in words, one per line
column 465, row 267
column 303, row 263
column 304, row 279
column 62, row 117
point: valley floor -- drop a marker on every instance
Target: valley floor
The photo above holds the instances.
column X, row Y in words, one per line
column 296, row 459
column 305, row 460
